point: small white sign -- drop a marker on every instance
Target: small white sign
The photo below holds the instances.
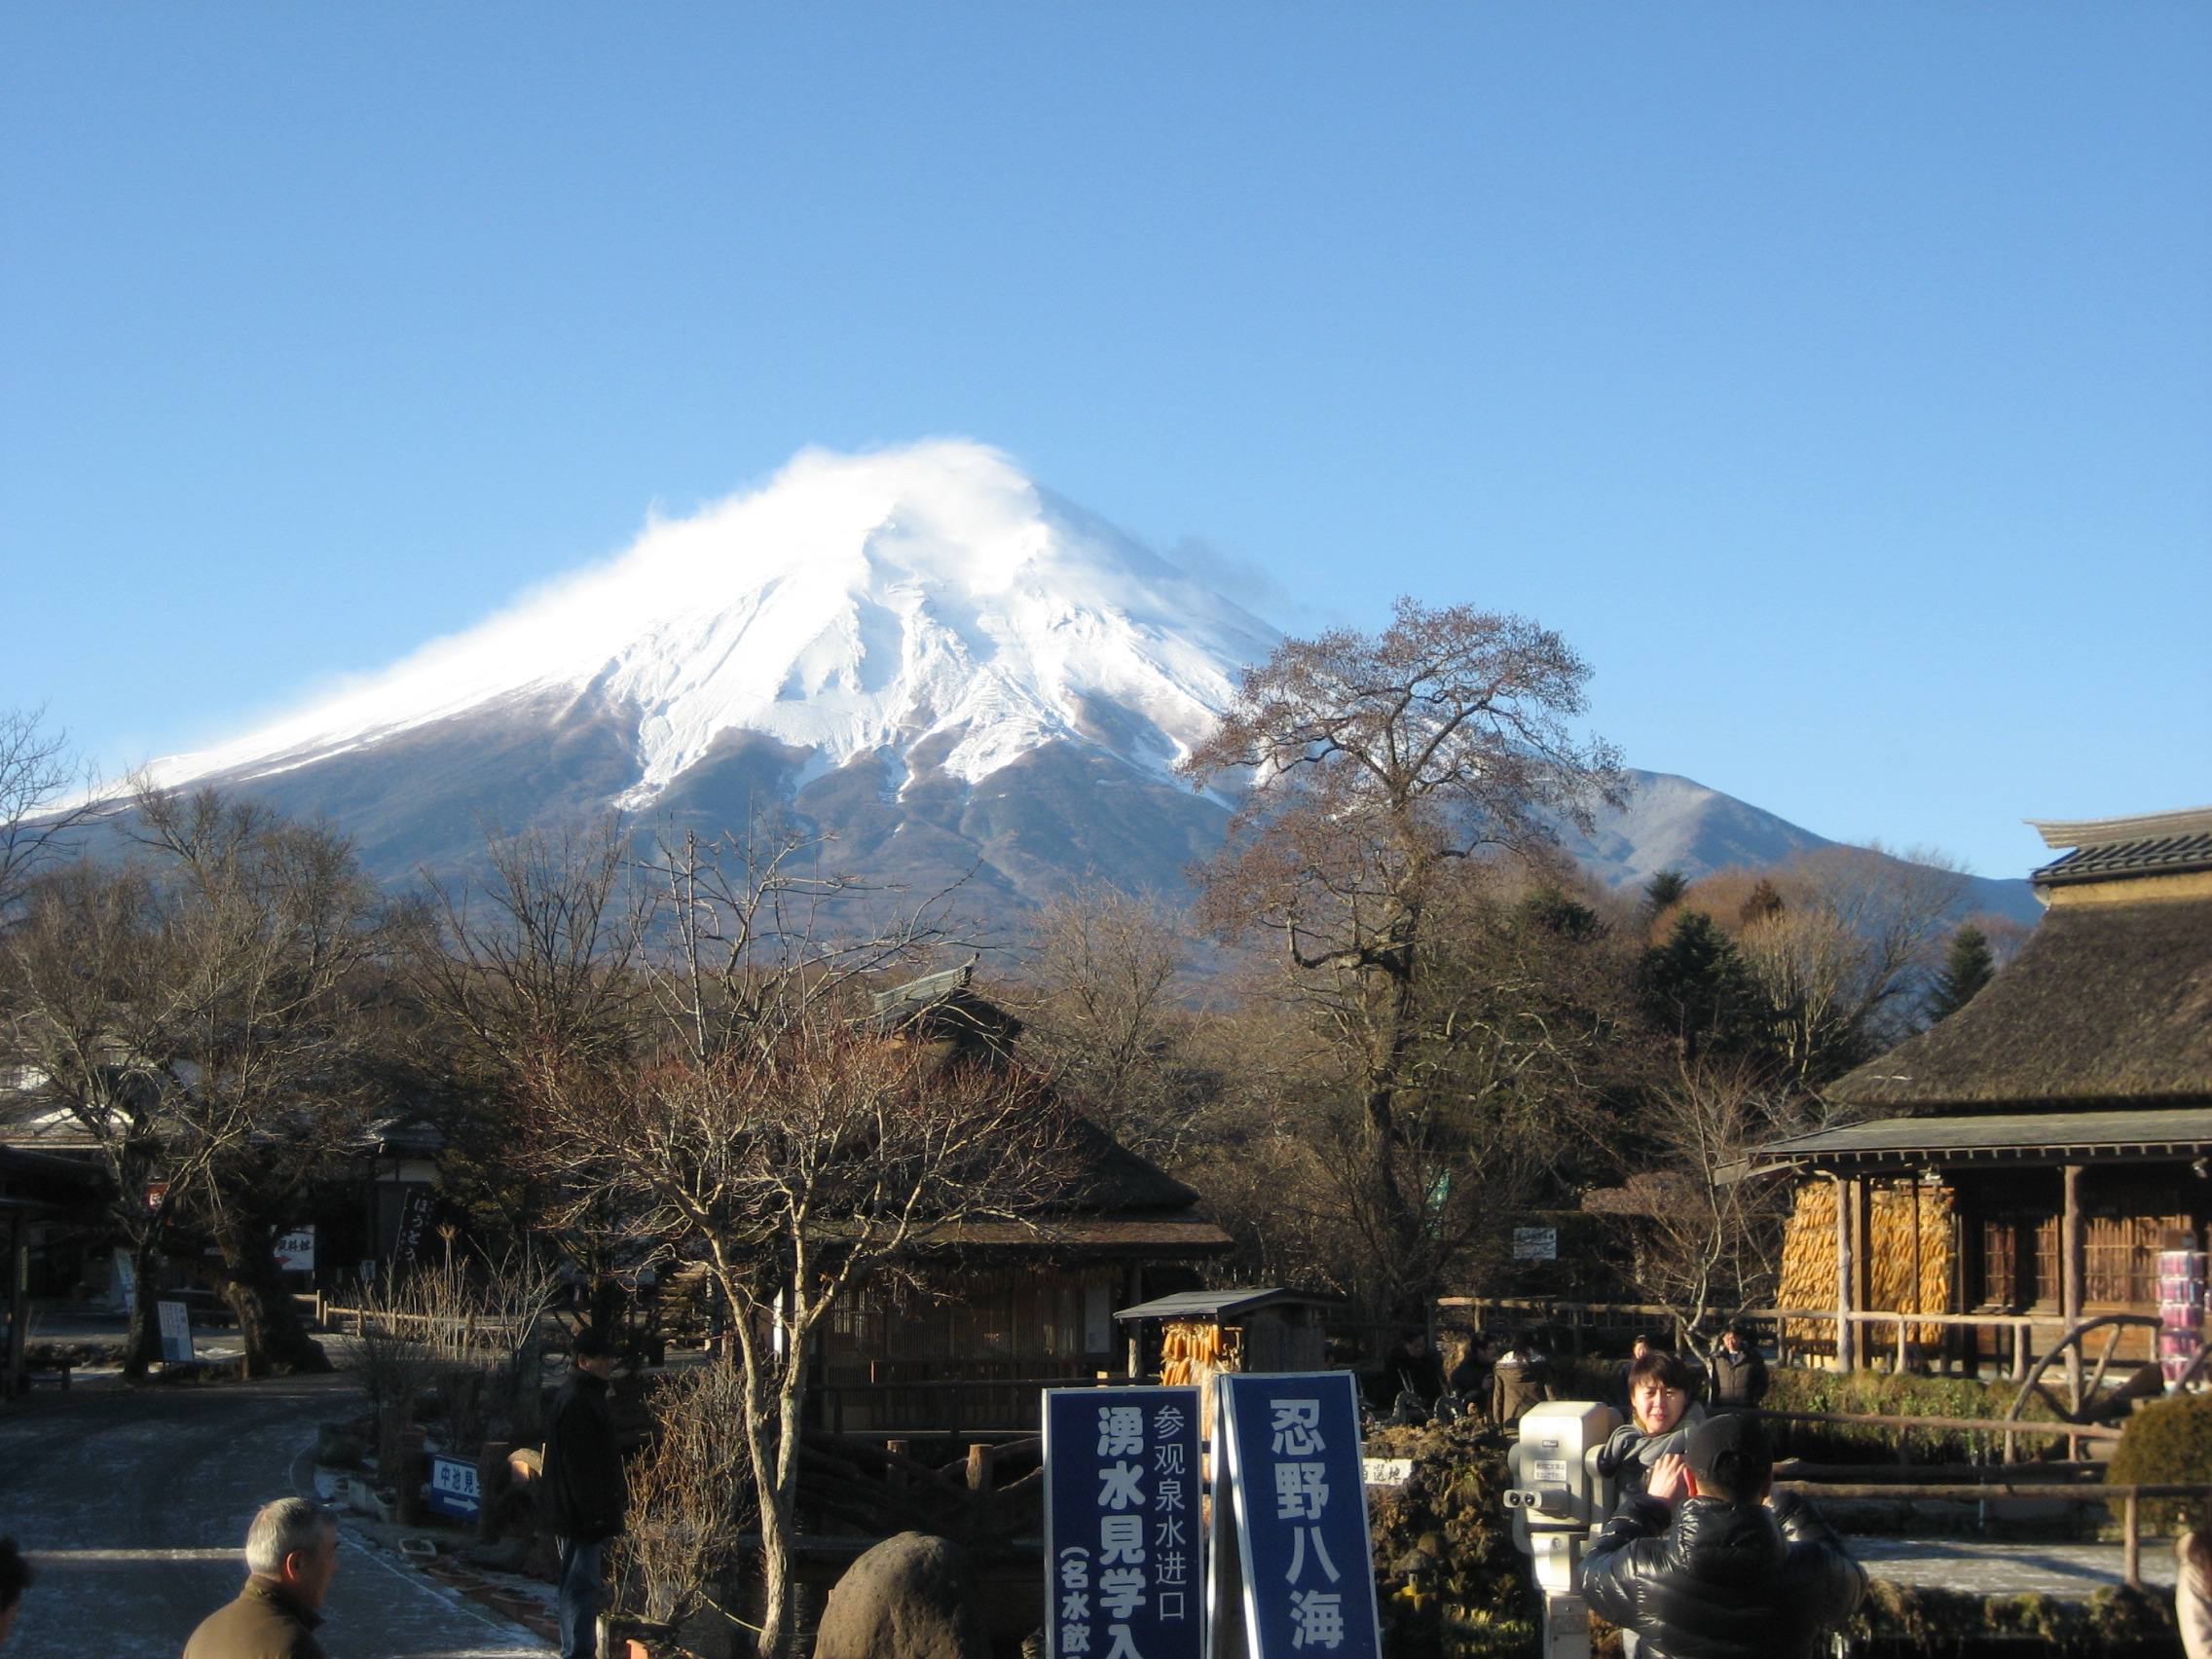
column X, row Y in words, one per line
column 1549, row 1471
column 1536, row 1243
column 1386, row 1471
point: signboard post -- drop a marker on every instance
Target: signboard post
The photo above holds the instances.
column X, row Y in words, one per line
column 176, row 1332
column 1122, row 1544
column 454, row 1489
column 1287, row 1463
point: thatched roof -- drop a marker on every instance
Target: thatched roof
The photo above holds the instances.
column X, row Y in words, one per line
column 2107, row 1005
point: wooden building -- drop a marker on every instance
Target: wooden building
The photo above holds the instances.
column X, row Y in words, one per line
column 2030, row 1154
column 1006, row 1304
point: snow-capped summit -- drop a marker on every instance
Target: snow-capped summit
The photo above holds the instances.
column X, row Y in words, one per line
column 855, row 605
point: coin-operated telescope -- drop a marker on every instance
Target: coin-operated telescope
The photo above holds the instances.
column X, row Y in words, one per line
column 1558, row 1500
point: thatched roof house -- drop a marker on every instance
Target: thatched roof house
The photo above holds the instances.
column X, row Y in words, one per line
column 1008, row 1302
column 2053, row 1131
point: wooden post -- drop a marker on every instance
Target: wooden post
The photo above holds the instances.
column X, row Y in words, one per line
column 2070, row 1273
column 18, row 1374
column 1846, row 1347
column 2131, row 1531
column 2020, row 1350
column 1900, row 1368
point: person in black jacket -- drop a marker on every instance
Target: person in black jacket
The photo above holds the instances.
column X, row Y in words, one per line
column 1707, row 1565
column 584, row 1494
column 1736, row 1375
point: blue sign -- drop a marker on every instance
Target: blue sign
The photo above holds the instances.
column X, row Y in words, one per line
column 452, row 1489
column 1123, row 1548
column 1294, row 1476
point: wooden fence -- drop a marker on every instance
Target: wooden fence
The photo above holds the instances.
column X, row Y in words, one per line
column 1585, row 1317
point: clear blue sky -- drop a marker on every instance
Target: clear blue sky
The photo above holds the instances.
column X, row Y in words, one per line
column 1838, row 378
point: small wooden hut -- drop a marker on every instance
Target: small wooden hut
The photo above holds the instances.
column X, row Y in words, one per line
column 1204, row 1332
column 2029, row 1153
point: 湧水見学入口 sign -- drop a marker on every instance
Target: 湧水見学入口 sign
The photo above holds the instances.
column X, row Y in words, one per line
column 1122, row 1544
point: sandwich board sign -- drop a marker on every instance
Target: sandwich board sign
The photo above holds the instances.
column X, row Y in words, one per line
column 1294, row 1575
column 1124, row 1547
column 176, row 1332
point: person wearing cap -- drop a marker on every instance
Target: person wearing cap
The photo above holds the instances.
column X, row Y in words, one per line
column 585, row 1498
column 1708, row 1563
column 1736, row 1375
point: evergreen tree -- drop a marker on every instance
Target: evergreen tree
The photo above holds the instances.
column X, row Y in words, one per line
column 1764, row 902
column 1665, row 888
column 1698, row 988
column 1967, row 967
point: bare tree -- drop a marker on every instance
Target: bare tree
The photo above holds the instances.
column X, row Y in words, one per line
column 195, row 1016
column 691, row 1495
column 85, row 1014
column 748, row 1118
column 1103, row 982
column 798, row 1173
column 1704, row 1239
column 43, row 796
column 1379, row 764
column 1841, row 944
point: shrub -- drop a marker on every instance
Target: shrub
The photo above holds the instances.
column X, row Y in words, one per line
column 1450, row 1583
column 2165, row 1443
column 1922, row 1619
column 1880, row 1393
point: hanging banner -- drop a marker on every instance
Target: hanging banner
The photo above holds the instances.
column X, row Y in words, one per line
column 1288, row 1466
column 1123, row 1543
column 413, row 1222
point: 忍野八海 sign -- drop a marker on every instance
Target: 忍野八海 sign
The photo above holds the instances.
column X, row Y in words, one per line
column 1287, row 1463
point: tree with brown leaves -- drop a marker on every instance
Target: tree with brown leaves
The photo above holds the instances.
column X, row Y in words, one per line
column 1380, row 764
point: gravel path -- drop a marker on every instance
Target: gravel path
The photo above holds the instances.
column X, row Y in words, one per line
column 132, row 1504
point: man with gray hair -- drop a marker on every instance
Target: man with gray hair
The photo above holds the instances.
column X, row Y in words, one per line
column 291, row 1556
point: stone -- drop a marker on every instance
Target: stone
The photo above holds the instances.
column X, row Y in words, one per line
column 912, row 1596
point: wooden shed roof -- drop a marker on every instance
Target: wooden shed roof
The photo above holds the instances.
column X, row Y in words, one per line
column 2107, row 1005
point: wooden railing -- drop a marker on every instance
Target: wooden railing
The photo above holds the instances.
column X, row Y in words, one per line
column 951, row 1406
column 1583, row 1315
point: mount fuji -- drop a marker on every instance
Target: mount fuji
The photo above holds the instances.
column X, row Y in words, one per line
column 918, row 653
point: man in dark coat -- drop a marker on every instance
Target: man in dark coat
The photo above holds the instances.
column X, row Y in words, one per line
column 1736, row 1375
column 1707, row 1566
column 1521, row 1379
column 291, row 1556
column 584, row 1495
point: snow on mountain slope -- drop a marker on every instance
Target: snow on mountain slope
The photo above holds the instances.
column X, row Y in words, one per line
column 948, row 673
column 854, row 603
